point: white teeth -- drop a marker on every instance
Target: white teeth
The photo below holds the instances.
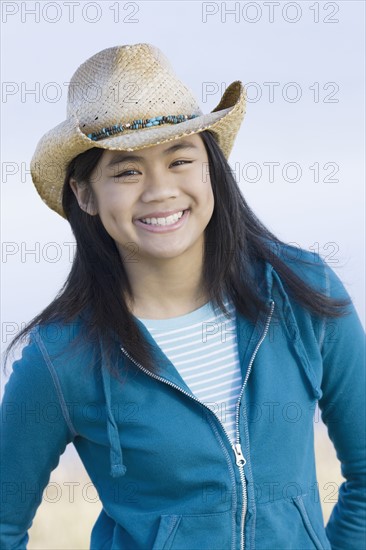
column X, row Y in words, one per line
column 163, row 221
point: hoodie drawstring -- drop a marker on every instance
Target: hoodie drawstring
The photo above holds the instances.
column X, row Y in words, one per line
column 118, row 469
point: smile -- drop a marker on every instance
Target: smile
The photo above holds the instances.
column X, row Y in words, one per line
column 161, row 225
column 163, row 221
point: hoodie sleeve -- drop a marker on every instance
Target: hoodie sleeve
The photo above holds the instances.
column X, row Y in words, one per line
column 34, row 433
column 343, row 410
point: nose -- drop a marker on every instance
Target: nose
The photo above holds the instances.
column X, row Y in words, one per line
column 159, row 185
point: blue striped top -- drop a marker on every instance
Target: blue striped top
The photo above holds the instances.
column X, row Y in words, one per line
column 202, row 345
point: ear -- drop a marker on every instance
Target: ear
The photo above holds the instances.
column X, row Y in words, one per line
column 82, row 194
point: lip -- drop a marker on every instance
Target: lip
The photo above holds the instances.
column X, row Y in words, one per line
column 161, row 214
column 164, row 228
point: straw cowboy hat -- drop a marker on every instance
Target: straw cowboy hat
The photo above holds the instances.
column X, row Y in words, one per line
column 128, row 98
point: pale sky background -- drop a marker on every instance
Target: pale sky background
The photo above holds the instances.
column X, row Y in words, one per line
column 323, row 130
column 319, row 55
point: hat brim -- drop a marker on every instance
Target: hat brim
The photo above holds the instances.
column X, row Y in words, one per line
column 60, row 145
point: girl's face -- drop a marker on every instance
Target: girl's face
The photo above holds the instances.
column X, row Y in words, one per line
column 141, row 196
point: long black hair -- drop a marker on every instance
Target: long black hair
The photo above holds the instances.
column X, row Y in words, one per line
column 235, row 241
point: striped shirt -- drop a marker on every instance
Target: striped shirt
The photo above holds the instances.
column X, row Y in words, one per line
column 202, row 345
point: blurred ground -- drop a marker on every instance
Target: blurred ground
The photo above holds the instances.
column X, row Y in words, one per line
column 68, row 512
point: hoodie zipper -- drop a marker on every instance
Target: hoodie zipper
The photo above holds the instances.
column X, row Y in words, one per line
column 240, row 460
column 239, row 457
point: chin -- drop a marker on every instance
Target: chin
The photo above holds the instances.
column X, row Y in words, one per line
column 164, row 254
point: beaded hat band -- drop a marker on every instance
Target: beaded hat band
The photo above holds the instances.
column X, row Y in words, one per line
column 138, row 124
column 138, row 102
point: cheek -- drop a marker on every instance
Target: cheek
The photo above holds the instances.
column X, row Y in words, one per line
column 115, row 212
column 202, row 187
column 113, row 203
column 208, row 196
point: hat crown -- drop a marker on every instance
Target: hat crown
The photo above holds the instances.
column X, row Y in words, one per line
column 125, row 83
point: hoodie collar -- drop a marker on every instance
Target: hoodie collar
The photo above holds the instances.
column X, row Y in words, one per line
column 275, row 288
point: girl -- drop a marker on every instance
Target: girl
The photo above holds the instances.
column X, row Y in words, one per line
column 202, row 341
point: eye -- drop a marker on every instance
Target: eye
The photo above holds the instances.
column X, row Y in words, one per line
column 126, row 173
column 180, row 162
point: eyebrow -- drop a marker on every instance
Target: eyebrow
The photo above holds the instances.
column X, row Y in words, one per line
column 123, row 157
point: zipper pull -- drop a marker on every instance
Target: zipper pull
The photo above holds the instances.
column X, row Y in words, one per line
column 240, row 460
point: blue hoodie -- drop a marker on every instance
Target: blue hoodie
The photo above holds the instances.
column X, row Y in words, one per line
column 161, row 460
